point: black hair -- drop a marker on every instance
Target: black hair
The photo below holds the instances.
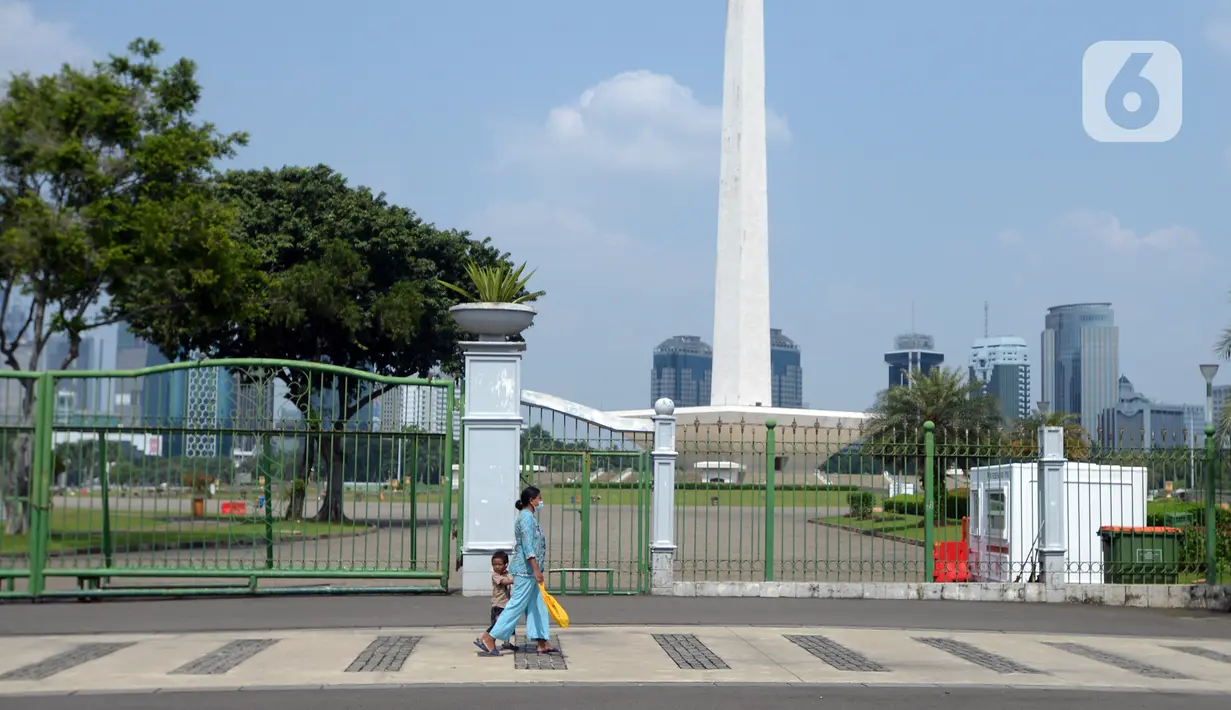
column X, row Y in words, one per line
column 501, row 555
column 528, row 494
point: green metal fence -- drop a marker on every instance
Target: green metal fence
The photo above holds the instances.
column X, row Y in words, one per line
column 767, row 501
column 596, row 490
column 220, row 476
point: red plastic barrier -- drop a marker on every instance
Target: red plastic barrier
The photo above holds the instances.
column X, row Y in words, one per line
column 234, row 508
column 950, row 562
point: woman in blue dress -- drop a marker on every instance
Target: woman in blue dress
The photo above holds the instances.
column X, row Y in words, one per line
column 526, row 564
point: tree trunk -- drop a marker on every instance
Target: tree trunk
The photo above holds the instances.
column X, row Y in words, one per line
column 299, row 496
column 15, row 483
column 331, row 508
column 299, row 485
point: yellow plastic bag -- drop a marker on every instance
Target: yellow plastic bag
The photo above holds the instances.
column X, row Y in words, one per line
column 554, row 610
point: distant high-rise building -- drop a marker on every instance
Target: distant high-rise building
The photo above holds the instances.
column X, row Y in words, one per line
column 85, row 395
column 1001, row 364
column 787, row 383
column 1081, row 365
column 1194, row 424
column 1222, row 396
column 912, row 353
column 1137, row 422
column 682, row 371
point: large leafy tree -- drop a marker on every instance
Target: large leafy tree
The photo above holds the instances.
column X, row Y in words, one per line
column 354, row 281
column 108, row 213
column 967, row 423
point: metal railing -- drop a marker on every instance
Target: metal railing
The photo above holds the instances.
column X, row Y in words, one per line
column 596, row 487
column 225, row 476
column 774, row 502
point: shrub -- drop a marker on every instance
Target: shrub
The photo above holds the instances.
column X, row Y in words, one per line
column 904, row 505
column 957, row 505
column 861, row 503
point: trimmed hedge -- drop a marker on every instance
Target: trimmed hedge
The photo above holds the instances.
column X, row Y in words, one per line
column 700, row 486
column 957, row 504
column 861, row 503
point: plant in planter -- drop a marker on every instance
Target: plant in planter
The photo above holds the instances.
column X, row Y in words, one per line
column 497, row 301
column 198, row 483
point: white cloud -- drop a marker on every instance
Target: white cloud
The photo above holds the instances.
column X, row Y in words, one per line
column 1105, row 229
column 28, row 43
column 1102, row 232
column 539, row 224
column 637, row 121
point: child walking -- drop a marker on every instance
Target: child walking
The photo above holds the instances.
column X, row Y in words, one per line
column 502, row 586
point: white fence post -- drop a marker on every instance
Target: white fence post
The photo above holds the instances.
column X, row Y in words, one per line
column 1053, row 511
column 662, row 532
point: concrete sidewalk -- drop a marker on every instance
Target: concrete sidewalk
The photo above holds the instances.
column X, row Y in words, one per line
column 343, row 612
column 360, row 659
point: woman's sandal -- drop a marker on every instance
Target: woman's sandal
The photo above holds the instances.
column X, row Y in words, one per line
column 483, row 650
column 549, row 652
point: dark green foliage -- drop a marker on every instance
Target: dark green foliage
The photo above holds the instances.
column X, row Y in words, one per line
column 861, row 503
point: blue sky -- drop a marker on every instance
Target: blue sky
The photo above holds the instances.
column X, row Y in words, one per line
column 926, row 153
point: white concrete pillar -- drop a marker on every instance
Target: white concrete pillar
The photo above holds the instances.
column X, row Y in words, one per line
column 1053, row 509
column 491, row 431
column 662, row 503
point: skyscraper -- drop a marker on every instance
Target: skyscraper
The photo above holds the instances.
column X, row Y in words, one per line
column 1001, row 364
column 682, row 371
column 787, row 375
column 912, row 352
column 1081, row 365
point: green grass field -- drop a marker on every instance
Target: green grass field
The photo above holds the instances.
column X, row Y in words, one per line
column 908, row 526
column 553, row 495
column 80, row 530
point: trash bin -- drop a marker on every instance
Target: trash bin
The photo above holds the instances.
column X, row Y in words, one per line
column 1141, row 555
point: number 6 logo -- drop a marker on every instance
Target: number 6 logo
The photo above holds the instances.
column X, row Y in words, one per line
column 1132, row 92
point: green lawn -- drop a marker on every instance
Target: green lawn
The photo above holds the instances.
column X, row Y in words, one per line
column 80, row 530
column 908, row 526
column 561, row 495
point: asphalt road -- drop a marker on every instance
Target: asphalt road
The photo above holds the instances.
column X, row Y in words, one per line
column 643, row 697
column 234, row 614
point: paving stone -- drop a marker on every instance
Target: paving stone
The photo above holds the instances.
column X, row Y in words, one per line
column 83, row 653
column 385, row 654
column 1121, row 662
column 225, row 658
column 976, row 655
column 689, row 653
column 526, row 658
column 837, row 655
column 1203, row 653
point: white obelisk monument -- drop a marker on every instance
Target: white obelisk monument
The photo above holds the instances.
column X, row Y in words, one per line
column 741, row 374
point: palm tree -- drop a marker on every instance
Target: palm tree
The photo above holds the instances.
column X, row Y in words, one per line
column 1223, row 349
column 967, row 422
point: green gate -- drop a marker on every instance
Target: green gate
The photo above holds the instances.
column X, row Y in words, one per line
column 596, row 495
column 226, row 476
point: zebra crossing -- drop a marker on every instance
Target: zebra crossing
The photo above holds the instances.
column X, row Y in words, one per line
column 737, row 655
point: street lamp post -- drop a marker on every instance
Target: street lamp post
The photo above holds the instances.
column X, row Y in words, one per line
column 1211, row 555
column 1208, row 372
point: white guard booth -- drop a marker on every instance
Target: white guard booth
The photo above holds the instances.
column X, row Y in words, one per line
column 1004, row 534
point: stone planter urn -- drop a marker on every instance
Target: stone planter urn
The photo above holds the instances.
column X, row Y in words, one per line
column 493, row 321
